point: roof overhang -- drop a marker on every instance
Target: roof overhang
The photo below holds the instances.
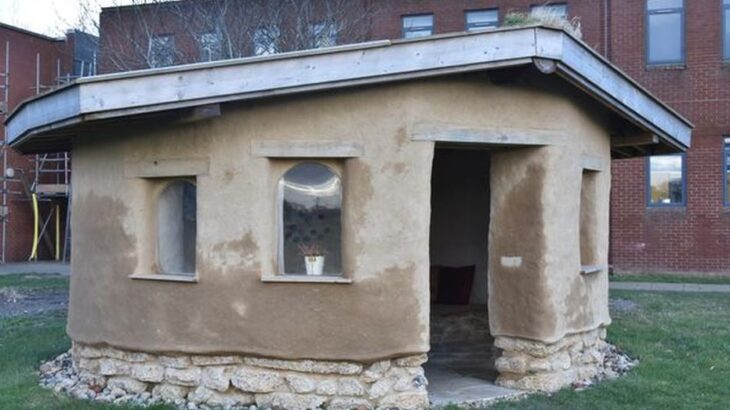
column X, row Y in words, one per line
column 39, row 124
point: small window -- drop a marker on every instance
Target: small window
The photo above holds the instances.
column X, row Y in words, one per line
column 323, row 34
column 417, row 26
column 161, row 51
column 726, row 29
column 665, row 31
column 556, row 9
column 726, row 170
column 482, row 19
column 588, row 218
column 266, row 41
column 311, row 228
column 666, row 180
column 211, row 46
column 176, row 228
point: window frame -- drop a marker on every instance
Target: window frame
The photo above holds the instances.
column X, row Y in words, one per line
column 158, row 197
column 281, row 275
column 548, row 4
column 725, row 165
column 272, row 33
column 466, row 19
column 403, row 30
column 725, row 43
column 682, row 35
column 172, row 51
column 647, row 183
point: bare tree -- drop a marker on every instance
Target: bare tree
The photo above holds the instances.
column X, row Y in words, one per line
column 153, row 33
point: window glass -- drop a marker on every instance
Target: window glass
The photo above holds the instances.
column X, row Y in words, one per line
column 324, row 34
column 211, row 46
column 417, row 26
column 726, row 30
column 265, row 41
column 481, row 19
column 561, row 10
column 588, row 218
column 176, row 228
column 665, row 31
column 666, row 180
column 161, row 51
column 727, row 171
column 311, row 201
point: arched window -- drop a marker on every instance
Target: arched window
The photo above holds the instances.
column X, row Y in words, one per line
column 176, row 228
column 310, row 197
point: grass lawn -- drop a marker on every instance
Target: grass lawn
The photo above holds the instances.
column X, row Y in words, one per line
column 683, row 341
column 667, row 278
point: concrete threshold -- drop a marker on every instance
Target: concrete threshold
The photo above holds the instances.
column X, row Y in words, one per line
column 447, row 387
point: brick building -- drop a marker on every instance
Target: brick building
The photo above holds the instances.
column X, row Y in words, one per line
column 30, row 64
column 668, row 214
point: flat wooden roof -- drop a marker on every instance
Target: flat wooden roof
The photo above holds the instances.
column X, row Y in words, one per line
column 43, row 122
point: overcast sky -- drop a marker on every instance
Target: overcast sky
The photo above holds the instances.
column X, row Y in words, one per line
column 50, row 17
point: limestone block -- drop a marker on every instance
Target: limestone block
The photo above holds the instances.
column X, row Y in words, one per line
column 411, row 361
column 92, row 379
column 560, row 361
column 177, row 362
column 126, row 384
column 301, row 384
column 251, row 380
column 307, row 366
column 327, row 387
column 348, row 386
column 511, row 362
column 376, row 371
column 216, row 360
column 137, row 357
column 348, row 403
column 89, row 365
column 87, row 351
column 290, row 401
column 380, row 388
column 545, row 382
column 183, row 377
column 202, row 395
column 216, row 378
column 113, row 353
column 405, row 401
column 113, row 367
column 170, row 392
column 148, row 372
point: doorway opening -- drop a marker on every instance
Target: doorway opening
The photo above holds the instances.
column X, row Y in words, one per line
column 461, row 361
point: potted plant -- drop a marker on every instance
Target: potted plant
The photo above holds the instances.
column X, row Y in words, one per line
column 313, row 258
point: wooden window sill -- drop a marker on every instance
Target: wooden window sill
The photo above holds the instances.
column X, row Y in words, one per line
column 305, row 279
column 165, row 278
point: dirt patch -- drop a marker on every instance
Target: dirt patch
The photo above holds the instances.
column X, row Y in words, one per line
column 18, row 302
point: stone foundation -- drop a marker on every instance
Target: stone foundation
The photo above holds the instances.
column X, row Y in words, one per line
column 530, row 365
column 237, row 381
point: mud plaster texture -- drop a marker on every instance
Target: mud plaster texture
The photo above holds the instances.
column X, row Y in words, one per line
column 238, row 381
column 538, row 295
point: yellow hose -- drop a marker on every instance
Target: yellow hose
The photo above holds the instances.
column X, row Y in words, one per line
column 58, row 232
column 34, row 251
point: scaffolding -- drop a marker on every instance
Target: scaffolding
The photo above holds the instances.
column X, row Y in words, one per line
column 45, row 185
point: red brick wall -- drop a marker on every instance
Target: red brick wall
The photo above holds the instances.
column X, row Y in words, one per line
column 23, row 49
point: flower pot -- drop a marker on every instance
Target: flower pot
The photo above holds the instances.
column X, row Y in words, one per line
column 314, row 264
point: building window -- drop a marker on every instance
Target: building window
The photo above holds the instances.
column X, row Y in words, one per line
column 588, row 218
column 481, row 19
column 665, row 31
column 176, row 228
column 553, row 9
column 211, row 46
column 311, row 228
column 161, row 51
column 266, row 41
column 666, row 178
column 323, row 34
column 726, row 170
column 726, row 29
column 417, row 26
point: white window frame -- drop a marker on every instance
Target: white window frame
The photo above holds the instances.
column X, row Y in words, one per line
column 417, row 29
column 478, row 26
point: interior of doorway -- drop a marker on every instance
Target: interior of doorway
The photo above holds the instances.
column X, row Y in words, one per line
column 461, row 361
